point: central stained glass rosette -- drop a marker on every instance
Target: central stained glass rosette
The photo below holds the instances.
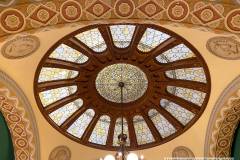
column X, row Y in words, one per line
column 134, row 79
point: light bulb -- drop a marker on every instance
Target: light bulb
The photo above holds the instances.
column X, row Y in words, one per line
column 120, row 153
column 142, row 157
column 132, row 156
column 100, row 158
column 109, row 157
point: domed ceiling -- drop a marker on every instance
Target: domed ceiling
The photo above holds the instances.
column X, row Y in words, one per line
column 167, row 85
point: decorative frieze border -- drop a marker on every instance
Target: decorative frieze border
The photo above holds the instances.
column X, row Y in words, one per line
column 29, row 18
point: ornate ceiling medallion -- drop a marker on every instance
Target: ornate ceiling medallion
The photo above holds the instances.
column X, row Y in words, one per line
column 135, row 80
column 224, row 47
column 167, row 85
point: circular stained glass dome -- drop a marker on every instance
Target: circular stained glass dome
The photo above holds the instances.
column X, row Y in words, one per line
column 134, row 79
column 167, row 85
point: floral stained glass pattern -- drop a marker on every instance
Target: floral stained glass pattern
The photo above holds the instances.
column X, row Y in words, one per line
column 163, row 126
column 50, row 96
column 100, row 131
column 79, row 126
column 190, row 95
column 134, row 79
column 118, row 130
column 93, row 39
column 49, row 74
column 177, row 53
column 191, row 74
column 151, row 39
column 67, row 53
column 143, row 133
column 180, row 113
column 122, row 35
column 61, row 114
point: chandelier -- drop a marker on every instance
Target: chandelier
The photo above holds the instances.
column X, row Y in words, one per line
column 122, row 153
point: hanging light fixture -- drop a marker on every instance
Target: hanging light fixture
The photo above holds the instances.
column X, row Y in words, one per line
column 123, row 153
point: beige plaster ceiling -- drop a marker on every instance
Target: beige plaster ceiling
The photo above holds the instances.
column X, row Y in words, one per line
column 23, row 70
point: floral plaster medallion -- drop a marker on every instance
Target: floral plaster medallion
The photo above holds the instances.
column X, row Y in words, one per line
column 223, row 47
column 20, row 47
column 60, row 153
column 177, row 11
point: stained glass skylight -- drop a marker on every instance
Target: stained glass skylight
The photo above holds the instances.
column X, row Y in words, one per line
column 93, row 39
column 61, row 114
column 190, row 95
column 134, row 79
column 50, row 96
column 151, row 39
column 164, row 127
column 67, row 53
column 180, row 113
column 118, row 130
column 143, row 133
column 177, row 53
column 80, row 125
column 122, row 35
column 191, row 74
column 100, row 131
column 49, row 74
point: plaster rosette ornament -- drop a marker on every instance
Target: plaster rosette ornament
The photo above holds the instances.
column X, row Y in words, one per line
column 60, row 152
column 12, row 21
column 232, row 21
column 178, row 10
column 124, row 8
column 182, row 152
column 42, row 15
column 207, row 14
column 151, row 9
column 224, row 47
column 71, row 11
column 98, row 9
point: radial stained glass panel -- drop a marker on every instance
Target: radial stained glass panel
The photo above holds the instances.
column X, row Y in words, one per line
column 177, row 53
column 151, row 39
column 79, row 126
column 143, row 133
column 180, row 113
column 49, row 74
column 163, row 126
column 50, row 96
column 100, row 131
column 67, row 53
column 122, row 35
column 191, row 74
column 118, row 130
column 190, row 95
column 134, row 79
column 61, row 114
column 93, row 39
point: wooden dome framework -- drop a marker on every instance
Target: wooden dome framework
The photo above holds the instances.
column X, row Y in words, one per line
column 146, row 61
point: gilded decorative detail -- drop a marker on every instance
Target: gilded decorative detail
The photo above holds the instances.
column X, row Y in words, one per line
column 124, row 8
column 98, row 9
column 236, row 21
column 150, row 9
column 177, row 11
column 207, row 15
column 71, row 11
column 12, row 21
column 174, row 10
column 42, row 15
column 60, row 152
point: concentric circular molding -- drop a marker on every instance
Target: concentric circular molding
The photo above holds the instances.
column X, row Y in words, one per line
column 162, row 84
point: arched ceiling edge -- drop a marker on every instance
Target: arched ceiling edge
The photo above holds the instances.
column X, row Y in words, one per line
column 218, row 127
column 56, row 14
column 20, row 106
